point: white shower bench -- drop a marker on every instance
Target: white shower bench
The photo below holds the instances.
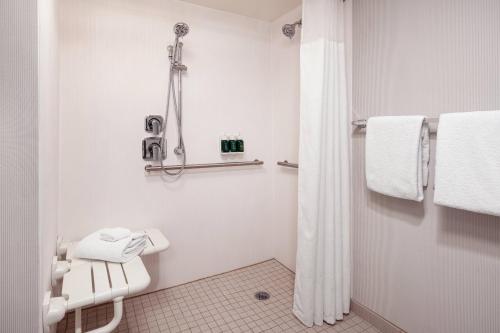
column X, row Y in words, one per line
column 93, row 282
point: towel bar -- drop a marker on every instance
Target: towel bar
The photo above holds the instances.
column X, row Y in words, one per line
column 361, row 123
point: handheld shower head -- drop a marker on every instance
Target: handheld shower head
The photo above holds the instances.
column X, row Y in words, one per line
column 181, row 29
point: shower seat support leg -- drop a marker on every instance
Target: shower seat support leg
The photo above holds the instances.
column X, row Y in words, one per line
column 118, row 313
column 78, row 320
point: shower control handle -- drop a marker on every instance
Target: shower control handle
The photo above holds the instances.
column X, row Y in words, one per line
column 154, row 124
column 155, row 152
column 152, row 149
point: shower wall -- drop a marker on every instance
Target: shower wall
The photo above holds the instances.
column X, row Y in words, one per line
column 285, row 54
column 48, row 134
column 114, row 72
column 424, row 267
column 28, row 159
column 19, row 262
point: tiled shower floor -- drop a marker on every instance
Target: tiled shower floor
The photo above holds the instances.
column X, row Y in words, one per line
column 222, row 303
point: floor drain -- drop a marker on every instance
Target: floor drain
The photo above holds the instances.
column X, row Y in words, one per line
column 262, row 295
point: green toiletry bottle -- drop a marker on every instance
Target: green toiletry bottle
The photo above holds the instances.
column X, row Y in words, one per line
column 232, row 144
column 224, row 144
column 240, row 145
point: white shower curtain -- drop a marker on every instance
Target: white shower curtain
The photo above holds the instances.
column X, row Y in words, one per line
column 322, row 282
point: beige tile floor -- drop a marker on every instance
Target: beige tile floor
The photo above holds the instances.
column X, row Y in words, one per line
column 222, row 303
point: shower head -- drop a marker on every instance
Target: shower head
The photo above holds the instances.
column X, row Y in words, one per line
column 289, row 29
column 181, row 29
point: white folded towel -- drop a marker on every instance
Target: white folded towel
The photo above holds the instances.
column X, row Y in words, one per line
column 114, row 234
column 123, row 250
column 138, row 241
column 468, row 161
column 397, row 156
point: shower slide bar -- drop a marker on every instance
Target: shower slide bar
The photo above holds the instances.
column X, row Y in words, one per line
column 287, row 164
column 150, row 168
column 361, row 123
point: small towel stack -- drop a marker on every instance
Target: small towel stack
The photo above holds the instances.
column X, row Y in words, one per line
column 111, row 244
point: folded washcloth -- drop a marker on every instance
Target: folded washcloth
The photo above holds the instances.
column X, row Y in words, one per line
column 138, row 241
column 123, row 250
column 468, row 161
column 114, row 234
column 397, row 156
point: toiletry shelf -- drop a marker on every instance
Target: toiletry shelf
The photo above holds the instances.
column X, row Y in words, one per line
column 233, row 153
column 287, row 164
column 150, row 168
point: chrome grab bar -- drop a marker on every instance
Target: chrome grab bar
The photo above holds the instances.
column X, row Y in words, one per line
column 150, row 168
column 287, row 164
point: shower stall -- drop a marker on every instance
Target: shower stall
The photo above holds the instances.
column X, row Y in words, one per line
column 85, row 82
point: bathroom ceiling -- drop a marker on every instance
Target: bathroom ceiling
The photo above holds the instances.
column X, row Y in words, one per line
column 267, row 10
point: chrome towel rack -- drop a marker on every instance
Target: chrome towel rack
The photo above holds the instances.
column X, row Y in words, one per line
column 287, row 164
column 151, row 168
column 361, row 123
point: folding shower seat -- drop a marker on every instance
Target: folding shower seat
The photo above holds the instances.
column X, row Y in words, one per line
column 92, row 282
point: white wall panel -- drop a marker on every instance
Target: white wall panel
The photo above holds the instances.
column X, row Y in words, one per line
column 19, row 278
column 48, row 133
column 285, row 57
column 113, row 72
column 425, row 268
